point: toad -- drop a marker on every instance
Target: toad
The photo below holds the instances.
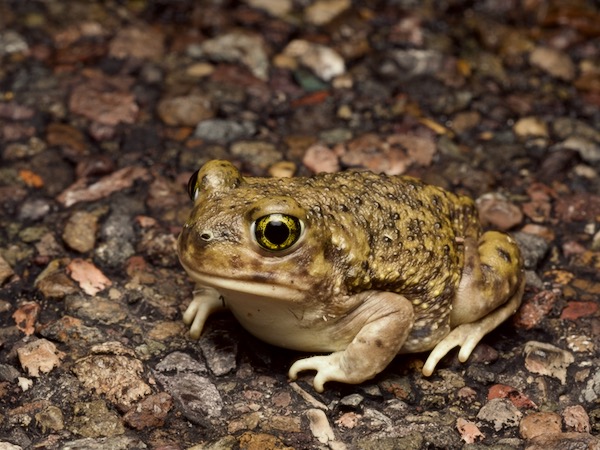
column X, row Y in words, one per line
column 354, row 266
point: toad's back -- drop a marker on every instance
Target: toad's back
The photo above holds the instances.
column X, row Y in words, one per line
column 389, row 232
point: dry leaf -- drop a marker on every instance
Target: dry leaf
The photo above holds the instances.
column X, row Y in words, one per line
column 39, row 356
column 116, row 181
column 26, row 316
column 468, row 431
column 89, row 277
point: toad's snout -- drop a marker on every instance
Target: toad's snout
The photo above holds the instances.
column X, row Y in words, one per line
column 193, row 238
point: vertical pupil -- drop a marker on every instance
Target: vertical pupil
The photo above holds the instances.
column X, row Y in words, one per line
column 277, row 232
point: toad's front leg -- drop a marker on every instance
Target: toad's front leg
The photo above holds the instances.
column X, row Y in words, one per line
column 375, row 330
column 206, row 301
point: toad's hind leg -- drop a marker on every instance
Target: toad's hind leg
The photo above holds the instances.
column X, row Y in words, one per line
column 372, row 334
column 489, row 292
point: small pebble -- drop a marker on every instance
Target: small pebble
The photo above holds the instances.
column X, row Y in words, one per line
column 587, row 149
column 469, row 431
column 533, row 248
column 277, row 8
column 530, row 127
column 282, row 169
column 34, row 209
column 547, row 359
column 501, row 413
column 151, row 412
column 221, row 130
column 50, row 419
column 576, row 419
column 137, row 42
column 220, row 351
column 324, row 11
column 105, row 107
column 196, row 396
column 353, row 400
column 320, row 158
column 497, row 210
column 554, row 62
column 39, row 357
column 112, row 372
column 236, row 46
column 325, row 62
column 319, row 426
column 259, row 154
column 80, row 231
column 538, row 423
column 94, row 420
column 5, row 271
column 187, row 110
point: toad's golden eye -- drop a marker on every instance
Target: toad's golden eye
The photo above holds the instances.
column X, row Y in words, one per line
column 192, row 186
column 277, row 232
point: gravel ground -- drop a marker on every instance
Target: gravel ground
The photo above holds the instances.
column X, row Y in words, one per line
column 107, row 107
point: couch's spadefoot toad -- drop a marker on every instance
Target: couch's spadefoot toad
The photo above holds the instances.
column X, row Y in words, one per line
column 361, row 265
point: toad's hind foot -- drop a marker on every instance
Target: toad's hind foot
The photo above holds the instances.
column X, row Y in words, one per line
column 380, row 325
column 328, row 368
column 468, row 335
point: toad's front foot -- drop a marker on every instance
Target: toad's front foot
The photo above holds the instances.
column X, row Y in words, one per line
column 206, row 301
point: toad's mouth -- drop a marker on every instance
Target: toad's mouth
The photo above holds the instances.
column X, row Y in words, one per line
column 232, row 288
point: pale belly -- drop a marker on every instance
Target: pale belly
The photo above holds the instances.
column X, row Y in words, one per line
column 282, row 323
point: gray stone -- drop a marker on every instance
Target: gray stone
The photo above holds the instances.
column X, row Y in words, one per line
column 95, row 420
column 546, row 359
column 180, row 362
column 8, row 373
column 237, row 46
column 533, row 248
column 220, row 351
column 587, row 149
column 352, row 400
column 501, row 413
column 564, row 127
column 34, row 209
column 221, row 130
column 9, row 446
column 412, row 441
column 12, row 42
column 118, row 234
column 257, row 153
column 113, row 443
column 198, row 398
column 591, row 391
column 416, row 62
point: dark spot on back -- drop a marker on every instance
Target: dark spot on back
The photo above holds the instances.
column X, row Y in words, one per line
column 504, row 254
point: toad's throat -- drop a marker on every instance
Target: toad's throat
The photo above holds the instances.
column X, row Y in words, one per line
column 276, row 314
column 232, row 288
